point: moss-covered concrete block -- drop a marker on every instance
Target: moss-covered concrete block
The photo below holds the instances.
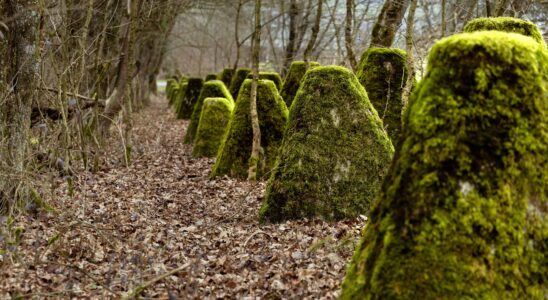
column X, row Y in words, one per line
column 226, row 76
column 292, row 80
column 189, row 97
column 334, row 153
column 383, row 73
column 210, row 77
column 171, row 89
column 212, row 126
column 235, row 149
column 462, row 212
column 275, row 77
column 506, row 24
column 170, row 85
column 178, row 96
column 211, row 89
column 237, row 80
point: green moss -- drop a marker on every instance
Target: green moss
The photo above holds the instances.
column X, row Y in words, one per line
column 226, row 76
column 334, row 153
column 210, row 77
column 235, row 149
column 170, row 85
column 292, row 80
column 211, row 89
column 212, row 126
column 189, row 97
column 171, row 88
column 237, row 80
column 383, row 73
column 178, row 96
column 506, row 24
column 275, row 77
column 461, row 214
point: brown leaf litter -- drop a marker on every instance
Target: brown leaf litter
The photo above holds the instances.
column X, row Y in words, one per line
column 125, row 228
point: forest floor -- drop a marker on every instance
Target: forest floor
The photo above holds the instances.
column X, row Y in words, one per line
column 164, row 226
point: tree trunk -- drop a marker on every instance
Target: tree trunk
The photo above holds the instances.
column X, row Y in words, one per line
column 348, row 38
column 256, row 147
column 409, row 48
column 290, row 49
column 19, row 61
column 388, row 21
column 500, row 7
column 236, row 34
column 314, row 33
column 116, row 100
column 443, row 18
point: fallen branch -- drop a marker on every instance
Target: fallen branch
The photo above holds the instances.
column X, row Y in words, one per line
column 140, row 288
column 254, row 234
column 68, row 94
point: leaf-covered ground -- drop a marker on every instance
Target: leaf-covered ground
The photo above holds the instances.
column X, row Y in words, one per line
column 125, row 228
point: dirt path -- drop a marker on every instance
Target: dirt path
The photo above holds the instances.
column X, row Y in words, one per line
column 125, row 226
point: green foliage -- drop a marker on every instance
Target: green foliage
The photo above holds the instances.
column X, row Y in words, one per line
column 212, row 126
column 383, row 73
column 189, row 97
column 506, row 24
column 235, row 149
column 226, row 76
column 334, row 153
column 237, row 80
column 275, row 77
column 210, row 77
column 211, row 89
column 461, row 214
column 292, row 80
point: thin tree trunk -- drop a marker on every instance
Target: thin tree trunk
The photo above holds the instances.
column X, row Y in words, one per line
column 443, row 25
column 500, row 7
column 256, row 147
column 236, row 34
column 20, row 63
column 133, row 12
column 290, row 49
column 409, row 48
column 315, row 31
column 348, row 40
column 470, row 11
column 388, row 21
column 116, row 100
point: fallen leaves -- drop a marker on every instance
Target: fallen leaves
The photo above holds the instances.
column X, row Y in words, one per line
column 126, row 228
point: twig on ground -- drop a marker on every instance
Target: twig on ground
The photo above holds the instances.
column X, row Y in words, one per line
column 254, row 234
column 140, row 288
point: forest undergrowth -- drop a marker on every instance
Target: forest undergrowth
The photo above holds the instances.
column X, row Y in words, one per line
column 161, row 228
